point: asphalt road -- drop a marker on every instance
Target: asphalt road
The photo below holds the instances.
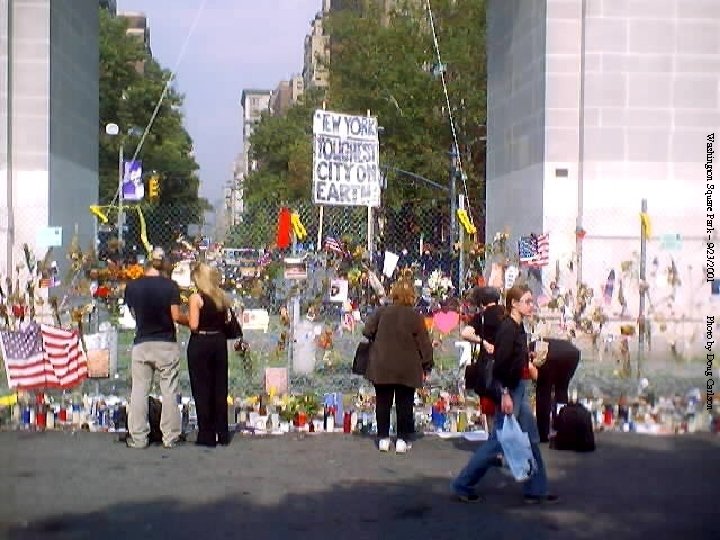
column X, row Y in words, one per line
column 87, row 486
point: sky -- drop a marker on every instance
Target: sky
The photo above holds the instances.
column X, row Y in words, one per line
column 236, row 44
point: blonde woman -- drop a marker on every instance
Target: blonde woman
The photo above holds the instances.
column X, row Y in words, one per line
column 208, row 356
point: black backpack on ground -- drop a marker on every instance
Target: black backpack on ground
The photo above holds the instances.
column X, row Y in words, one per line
column 574, row 429
column 154, row 413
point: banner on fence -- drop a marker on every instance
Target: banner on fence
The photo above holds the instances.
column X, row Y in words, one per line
column 133, row 188
column 295, row 268
column 346, row 160
column 256, row 319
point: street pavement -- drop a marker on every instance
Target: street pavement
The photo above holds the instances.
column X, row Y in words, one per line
column 83, row 486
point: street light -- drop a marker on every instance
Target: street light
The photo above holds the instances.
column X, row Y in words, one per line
column 113, row 130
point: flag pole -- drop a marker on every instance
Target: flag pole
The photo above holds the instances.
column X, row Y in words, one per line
column 320, row 229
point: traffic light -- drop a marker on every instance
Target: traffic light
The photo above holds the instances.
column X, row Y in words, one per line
column 154, row 185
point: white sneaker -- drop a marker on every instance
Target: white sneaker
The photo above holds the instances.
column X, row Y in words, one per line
column 384, row 445
column 401, row 447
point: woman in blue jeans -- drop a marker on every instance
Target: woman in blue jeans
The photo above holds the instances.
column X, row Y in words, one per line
column 512, row 369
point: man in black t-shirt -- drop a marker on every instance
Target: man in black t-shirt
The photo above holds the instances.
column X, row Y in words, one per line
column 154, row 301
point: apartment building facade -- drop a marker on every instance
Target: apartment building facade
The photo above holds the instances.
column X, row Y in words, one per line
column 316, row 54
column 286, row 94
column 253, row 103
column 138, row 27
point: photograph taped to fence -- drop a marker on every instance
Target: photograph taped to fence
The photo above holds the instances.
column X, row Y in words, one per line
column 346, row 161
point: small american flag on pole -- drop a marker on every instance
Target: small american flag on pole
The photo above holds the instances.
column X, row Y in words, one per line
column 534, row 250
column 265, row 259
column 331, row 244
column 43, row 356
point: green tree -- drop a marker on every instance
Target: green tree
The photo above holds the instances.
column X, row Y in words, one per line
column 131, row 82
column 391, row 69
column 388, row 66
column 282, row 147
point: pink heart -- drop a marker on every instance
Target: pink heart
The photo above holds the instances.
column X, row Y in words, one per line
column 446, row 321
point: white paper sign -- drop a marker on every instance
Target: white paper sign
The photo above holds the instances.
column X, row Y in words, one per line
column 126, row 320
column 346, row 160
column 339, row 290
column 255, row 319
column 390, row 263
column 671, row 242
column 511, row 274
column 49, row 237
column 181, row 274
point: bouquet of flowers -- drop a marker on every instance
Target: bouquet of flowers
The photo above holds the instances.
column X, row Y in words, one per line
column 440, row 286
column 497, row 250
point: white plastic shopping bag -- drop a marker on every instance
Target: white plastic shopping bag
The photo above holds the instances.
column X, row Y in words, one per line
column 516, row 448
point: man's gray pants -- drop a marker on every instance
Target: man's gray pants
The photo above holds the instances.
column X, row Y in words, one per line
column 149, row 357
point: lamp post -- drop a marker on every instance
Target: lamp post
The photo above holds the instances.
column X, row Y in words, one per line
column 113, row 130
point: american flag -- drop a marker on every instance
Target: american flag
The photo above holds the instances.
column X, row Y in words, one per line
column 534, row 250
column 265, row 259
column 331, row 244
column 43, row 356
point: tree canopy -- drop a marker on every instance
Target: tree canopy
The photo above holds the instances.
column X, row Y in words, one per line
column 388, row 66
column 131, row 83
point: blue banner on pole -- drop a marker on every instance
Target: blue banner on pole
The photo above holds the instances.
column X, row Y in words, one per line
column 133, row 188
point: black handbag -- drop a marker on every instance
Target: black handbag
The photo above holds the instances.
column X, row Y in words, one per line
column 362, row 357
column 232, row 328
column 362, row 353
column 479, row 373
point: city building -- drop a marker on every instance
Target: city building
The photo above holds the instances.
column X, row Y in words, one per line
column 384, row 6
column 234, row 192
column 253, row 103
column 317, row 50
column 594, row 106
column 48, row 126
column 110, row 5
column 138, row 27
column 286, row 95
column 317, row 54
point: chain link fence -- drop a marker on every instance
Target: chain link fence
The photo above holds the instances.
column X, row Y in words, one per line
column 410, row 226
column 417, row 232
column 642, row 310
column 676, row 301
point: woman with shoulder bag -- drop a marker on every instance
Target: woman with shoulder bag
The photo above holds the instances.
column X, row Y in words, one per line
column 208, row 355
column 512, row 374
column 481, row 332
column 400, row 356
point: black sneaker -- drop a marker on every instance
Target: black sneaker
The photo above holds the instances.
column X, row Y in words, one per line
column 536, row 499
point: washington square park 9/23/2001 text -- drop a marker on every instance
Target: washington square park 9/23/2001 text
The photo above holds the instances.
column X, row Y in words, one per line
column 710, row 265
